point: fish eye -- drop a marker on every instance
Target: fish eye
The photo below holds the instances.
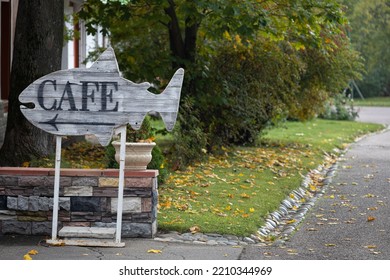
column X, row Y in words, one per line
column 29, row 105
column 153, row 89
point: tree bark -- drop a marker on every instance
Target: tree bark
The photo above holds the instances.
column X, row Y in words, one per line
column 37, row 52
column 191, row 34
column 183, row 49
column 175, row 37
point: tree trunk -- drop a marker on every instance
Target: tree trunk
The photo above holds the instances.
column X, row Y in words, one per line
column 191, row 34
column 176, row 42
column 183, row 50
column 37, row 52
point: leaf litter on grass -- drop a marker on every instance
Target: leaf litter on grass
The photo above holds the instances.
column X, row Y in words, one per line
column 233, row 192
column 229, row 188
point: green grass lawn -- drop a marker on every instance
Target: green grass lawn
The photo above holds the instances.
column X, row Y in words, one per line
column 233, row 193
column 373, row 101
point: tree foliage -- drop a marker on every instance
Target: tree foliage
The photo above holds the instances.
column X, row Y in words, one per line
column 370, row 35
column 249, row 63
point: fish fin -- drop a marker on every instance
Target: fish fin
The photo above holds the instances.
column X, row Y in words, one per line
column 104, row 140
column 169, row 120
column 174, row 86
column 106, row 62
column 136, row 120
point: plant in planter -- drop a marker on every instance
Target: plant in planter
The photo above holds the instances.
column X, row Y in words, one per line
column 139, row 146
column 145, row 134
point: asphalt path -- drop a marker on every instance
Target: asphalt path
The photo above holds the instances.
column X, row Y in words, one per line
column 15, row 247
column 352, row 220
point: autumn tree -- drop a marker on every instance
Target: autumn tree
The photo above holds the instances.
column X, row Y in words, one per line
column 150, row 35
column 248, row 63
column 370, row 35
column 168, row 33
column 37, row 52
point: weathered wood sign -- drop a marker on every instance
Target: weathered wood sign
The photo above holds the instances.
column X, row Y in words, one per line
column 96, row 100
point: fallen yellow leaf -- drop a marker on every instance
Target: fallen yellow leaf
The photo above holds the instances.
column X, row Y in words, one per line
column 292, row 252
column 154, row 251
column 252, row 210
column 370, row 218
column 244, row 195
column 194, row 229
column 32, row 252
column 166, row 204
column 27, row 257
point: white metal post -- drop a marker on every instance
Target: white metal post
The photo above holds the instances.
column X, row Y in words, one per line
column 56, row 188
column 122, row 131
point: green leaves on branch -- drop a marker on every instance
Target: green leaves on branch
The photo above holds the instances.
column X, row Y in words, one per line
column 370, row 35
column 249, row 63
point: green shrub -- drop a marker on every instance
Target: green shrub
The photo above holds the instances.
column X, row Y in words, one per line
column 158, row 162
column 190, row 141
column 145, row 133
column 339, row 108
column 110, row 157
column 250, row 87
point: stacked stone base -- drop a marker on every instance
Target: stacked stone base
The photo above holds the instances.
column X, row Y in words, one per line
column 88, row 198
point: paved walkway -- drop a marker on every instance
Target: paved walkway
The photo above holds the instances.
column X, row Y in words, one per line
column 352, row 220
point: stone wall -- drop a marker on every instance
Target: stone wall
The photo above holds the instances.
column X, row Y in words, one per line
column 88, row 197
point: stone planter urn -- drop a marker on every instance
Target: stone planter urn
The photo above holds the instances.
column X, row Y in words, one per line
column 138, row 155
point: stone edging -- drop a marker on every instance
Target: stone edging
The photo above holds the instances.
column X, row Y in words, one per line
column 278, row 224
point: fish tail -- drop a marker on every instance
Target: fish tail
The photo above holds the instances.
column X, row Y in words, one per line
column 172, row 93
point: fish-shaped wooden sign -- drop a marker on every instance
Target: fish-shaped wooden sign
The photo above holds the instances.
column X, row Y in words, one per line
column 96, row 100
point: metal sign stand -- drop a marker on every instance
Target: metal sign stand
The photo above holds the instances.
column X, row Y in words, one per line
column 91, row 242
column 56, row 189
column 122, row 131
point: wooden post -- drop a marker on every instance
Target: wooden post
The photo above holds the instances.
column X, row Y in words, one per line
column 56, row 188
column 122, row 131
